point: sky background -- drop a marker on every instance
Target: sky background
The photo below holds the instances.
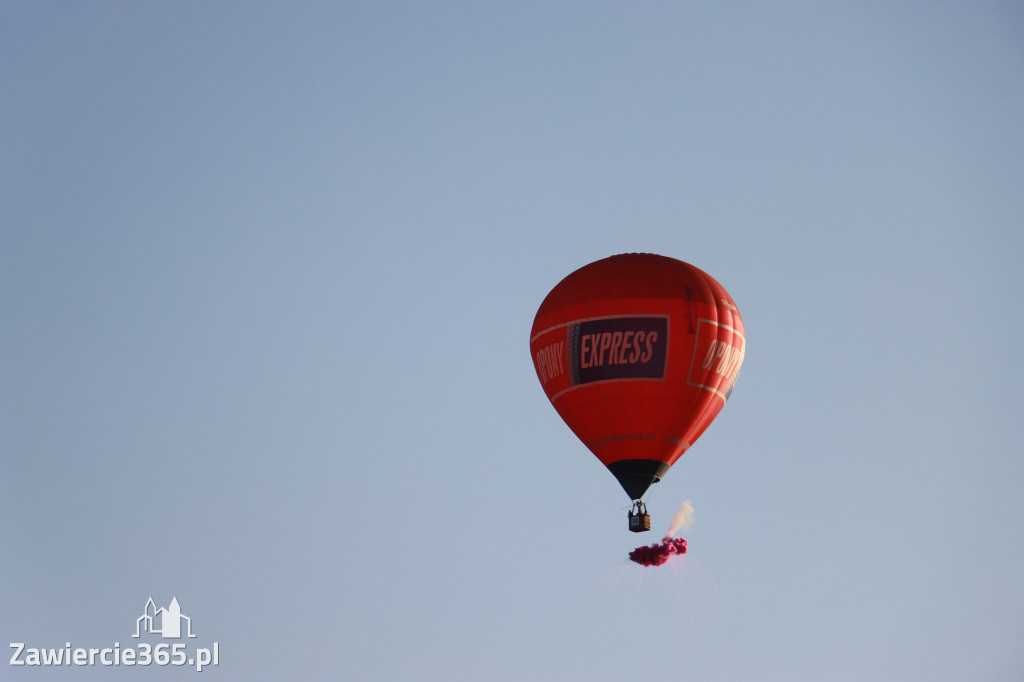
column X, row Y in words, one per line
column 267, row 278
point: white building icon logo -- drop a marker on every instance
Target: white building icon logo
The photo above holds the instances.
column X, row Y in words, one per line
column 168, row 620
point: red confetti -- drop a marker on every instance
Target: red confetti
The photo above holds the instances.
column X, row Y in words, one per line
column 656, row 555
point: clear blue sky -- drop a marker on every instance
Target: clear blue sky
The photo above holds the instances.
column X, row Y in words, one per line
column 267, row 277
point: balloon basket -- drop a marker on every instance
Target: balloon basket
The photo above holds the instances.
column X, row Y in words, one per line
column 639, row 519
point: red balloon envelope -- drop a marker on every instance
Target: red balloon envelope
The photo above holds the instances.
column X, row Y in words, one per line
column 638, row 353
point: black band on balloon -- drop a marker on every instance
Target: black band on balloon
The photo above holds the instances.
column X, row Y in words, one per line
column 637, row 475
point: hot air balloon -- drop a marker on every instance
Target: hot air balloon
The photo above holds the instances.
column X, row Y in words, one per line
column 638, row 353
